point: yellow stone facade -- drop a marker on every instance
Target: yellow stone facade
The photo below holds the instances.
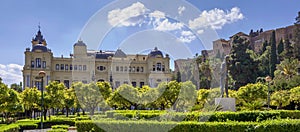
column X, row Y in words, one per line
column 88, row 66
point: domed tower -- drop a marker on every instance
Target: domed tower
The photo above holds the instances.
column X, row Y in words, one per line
column 39, row 39
column 80, row 49
column 37, row 59
column 158, row 67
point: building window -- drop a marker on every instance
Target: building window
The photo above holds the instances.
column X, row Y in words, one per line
column 133, row 69
column 129, row 69
column 84, row 67
column 142, row 84
column 163, row 68
column 117, row 68
column 32, row 64
column 71, row 67
column 38, row 85
column 80, row 67
column 121, row 68
column 62, row 67
column 67, row 83
column 66, row 67
column 158, row 66
column 48, row 79
column 142, row 69
column 137, row 69
column 57, row 67
column 153, row 69
column 101, row 68
column 75, row 67
column 38, row 62
column 133, row 84
column 117, row 84
column 125, row 68
column 27, row 81
column 44, row 64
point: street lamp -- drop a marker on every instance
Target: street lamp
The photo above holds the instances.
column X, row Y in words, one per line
column 41, row 76
column 268, row 79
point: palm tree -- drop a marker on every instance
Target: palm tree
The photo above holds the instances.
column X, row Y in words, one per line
column 287, row 68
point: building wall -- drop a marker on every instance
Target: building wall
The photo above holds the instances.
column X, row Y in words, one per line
column 83, row 66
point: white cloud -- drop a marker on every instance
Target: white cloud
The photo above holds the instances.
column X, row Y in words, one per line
column 216, row 18
column 157, row 14
column 123, row 17
column 181, row 9
column 11, row 73
column 165, row 25
column 187, row 37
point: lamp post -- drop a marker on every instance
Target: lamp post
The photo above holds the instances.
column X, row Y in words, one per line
column 268, row 79
column 41, row 76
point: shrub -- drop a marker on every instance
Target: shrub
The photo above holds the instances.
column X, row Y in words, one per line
column 9, row 128
column 58, row 130
column 232, row 126
column 60, row 127
column 27, row 125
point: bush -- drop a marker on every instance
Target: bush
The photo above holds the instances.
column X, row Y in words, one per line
column 64, row 121
column 232, row 126
column 58, row 130
column 27, row 126
column 60, row 127
column 9, row 128
column 200, row 116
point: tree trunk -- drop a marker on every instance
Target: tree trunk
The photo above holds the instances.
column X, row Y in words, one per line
column 67, row 111
column 45, row 114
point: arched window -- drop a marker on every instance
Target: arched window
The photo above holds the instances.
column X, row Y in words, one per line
column 158, row 66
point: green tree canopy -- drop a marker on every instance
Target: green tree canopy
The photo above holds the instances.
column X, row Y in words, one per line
column 242, row 68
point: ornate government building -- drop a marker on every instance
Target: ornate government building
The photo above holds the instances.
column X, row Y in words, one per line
column 88, row 66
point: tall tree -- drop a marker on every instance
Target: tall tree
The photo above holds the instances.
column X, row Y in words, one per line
column 273, row 55
column 264, row 61
column 280, row 47
column 296, row 45
column 242, row 68
column 264, row 47
column 288, row 50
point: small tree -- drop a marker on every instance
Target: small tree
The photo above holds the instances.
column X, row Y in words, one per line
column 295, row 95
column 30, row 99
column 280, row 98
column 88, row 96
column 10, row 102
column 252, row 96
column 69, row 99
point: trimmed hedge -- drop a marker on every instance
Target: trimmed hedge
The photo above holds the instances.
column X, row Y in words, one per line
column 199, row 116
column 60, row 127
column 9, row 128
column 57, row 130
column 129, row 126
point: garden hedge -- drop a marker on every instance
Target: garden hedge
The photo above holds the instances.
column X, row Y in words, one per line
column 132, row 126
column 9, row 128
column 199, row 116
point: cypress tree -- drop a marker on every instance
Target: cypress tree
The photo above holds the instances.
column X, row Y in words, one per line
column 242, row 68
column 280, row 47
column 273, row 55
column 296, row 45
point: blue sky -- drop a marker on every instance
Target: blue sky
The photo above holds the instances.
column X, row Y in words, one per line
column 63, row 21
